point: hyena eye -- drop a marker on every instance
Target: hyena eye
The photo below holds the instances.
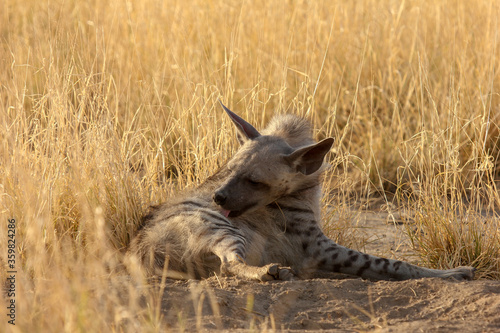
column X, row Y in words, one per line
column 253, row 182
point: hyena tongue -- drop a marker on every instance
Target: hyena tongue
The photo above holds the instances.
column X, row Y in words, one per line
column 225, row 212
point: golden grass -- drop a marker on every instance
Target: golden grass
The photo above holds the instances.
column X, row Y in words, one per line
column 107, row 108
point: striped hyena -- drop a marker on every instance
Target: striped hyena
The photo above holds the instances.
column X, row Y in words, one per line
column 258, row 212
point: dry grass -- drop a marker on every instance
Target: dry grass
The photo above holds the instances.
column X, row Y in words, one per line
column 107, row 108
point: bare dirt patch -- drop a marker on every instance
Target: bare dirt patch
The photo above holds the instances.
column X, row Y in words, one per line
column 323, row 304
column 338, row 304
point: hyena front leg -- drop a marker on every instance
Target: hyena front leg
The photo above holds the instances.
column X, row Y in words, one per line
column 232, row 256
column 332, row 257
column 229, row 244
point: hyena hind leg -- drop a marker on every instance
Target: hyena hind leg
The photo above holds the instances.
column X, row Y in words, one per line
column 336, row 258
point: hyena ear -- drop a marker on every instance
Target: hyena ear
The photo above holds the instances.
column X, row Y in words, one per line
column 309, row 159
column 245, row 130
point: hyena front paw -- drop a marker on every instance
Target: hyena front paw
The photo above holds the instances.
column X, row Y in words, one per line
column 275, row 272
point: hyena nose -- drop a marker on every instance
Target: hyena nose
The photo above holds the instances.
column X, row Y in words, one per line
column 219, row 198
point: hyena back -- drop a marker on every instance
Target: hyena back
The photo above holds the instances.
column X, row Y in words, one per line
column 258, row 212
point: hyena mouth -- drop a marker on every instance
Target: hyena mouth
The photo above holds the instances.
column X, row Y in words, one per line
column 231, row 213
column 236, row 213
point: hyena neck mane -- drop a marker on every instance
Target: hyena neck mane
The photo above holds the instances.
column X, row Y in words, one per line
column 294, row 130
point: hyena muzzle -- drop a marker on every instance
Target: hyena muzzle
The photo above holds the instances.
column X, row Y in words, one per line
column 258, row 218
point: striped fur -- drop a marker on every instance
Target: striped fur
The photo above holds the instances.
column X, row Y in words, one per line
column 259, row 212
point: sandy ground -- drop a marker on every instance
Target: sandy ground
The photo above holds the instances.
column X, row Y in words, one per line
column 425, row 305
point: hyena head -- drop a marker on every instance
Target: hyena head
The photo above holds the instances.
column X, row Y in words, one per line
column 266, row 168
